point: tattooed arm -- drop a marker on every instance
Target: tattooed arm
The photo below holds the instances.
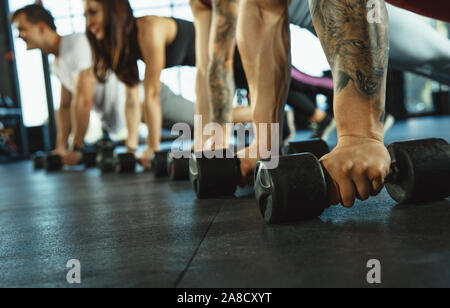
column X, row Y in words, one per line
column 220, row 68
column 357, row 51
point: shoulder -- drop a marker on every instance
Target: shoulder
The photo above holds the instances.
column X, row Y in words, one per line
column 155, row 29
column 76, row 38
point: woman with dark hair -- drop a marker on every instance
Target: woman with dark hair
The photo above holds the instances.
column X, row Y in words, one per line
column 118, row 40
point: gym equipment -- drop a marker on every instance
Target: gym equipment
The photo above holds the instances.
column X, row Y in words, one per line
column 53, row 162
column 297, row 189
column 220, row 176
column 316, row 146
column 122, row 163
column 159, row 164
column 109, row 162
column 178, row 169
column 49, row 162
column 214, row 177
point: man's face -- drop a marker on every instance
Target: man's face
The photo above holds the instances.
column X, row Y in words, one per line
column 32, row 34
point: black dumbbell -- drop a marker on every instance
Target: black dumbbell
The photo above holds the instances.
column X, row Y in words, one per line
column 49, row 162
column 38, row 160
column 220, row 176
column 53, row 162
column 90, row 158
column 122, row 163
column 159, row 164
column 316, row 146
column 214, row 177
column 297, row 189
column 178, row 168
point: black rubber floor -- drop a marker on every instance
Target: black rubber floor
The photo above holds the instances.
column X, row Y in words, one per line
column 130, row 231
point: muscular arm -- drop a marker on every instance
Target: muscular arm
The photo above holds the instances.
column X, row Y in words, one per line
column 357, row 51
column 63, row 120
column 358, row 54
column 133, row 117
column 82, row 106
column 221, row 52
column 152, row 43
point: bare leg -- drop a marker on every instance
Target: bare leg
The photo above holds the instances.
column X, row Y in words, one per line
column 264, row 44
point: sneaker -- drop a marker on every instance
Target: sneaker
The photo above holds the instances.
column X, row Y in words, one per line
column 291, row 128
column 389, row 121
column 323, row 129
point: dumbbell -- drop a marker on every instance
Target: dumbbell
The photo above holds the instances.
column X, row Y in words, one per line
column 49, row 162
column 178, row 168
column 121, row 163
column 159, row 164
column 38, row 160
column 217, row 177
column 89, row 158
column 53, row 162
column 297, row 189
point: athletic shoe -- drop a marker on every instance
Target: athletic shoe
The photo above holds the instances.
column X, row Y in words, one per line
column 323, row 129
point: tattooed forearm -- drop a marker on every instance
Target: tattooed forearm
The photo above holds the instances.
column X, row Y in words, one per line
column 356, row 49
column 222, row 89
column 220, row 72
column 226, row 19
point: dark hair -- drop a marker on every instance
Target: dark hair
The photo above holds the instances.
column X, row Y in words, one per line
column 118, row 50
column 35, row 13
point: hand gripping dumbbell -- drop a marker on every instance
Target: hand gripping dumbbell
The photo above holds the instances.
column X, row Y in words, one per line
column 220, row 176
column 297, row 189
column 178, row 168
column 53, row 162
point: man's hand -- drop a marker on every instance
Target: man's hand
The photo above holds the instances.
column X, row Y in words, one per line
column 72, row 158
column 356, row 168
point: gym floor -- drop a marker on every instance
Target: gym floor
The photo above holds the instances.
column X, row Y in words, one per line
column 136, row 231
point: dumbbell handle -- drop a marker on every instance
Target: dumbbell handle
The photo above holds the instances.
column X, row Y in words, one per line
column 393, row 174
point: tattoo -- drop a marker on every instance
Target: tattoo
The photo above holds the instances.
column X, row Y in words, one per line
column 227, row 19
column 357, row 50
column 222, row 89
column 221, row 77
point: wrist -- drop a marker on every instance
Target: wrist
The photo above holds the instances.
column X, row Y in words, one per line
column 78, row 149
column 359, row 119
